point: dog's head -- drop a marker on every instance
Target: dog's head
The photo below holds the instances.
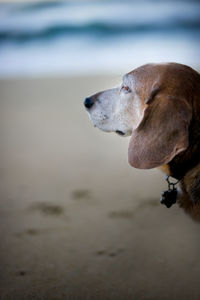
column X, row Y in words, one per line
column 153, row 105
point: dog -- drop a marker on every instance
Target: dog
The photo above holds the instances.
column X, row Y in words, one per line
column 158, row 105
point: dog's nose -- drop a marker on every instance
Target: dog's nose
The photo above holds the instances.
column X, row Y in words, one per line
column 88, row 102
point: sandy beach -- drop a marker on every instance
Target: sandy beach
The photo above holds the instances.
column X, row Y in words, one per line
column 76, row 221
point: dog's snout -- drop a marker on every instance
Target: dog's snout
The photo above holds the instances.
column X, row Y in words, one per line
column 88, row 102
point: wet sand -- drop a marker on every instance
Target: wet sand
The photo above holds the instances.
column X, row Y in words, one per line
column 76, row 221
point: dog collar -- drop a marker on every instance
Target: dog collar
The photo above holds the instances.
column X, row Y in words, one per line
column 169, row 197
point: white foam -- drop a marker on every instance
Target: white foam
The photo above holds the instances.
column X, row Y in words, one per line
column 84, row 56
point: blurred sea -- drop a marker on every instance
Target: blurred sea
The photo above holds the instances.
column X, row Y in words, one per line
column 102, row 36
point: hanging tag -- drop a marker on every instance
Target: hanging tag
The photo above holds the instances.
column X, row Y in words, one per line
column 169, row 197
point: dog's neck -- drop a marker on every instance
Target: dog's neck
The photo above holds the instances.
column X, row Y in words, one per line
column 189, row 196
column 189, row 159
column 186, row 168
column 182, row 164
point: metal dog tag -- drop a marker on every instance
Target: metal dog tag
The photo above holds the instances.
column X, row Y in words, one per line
column 169, row 197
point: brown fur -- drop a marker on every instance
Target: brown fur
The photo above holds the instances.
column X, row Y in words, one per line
column 168, row 136
column 165, row 169
column 189, row 199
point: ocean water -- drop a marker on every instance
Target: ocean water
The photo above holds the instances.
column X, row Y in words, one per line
column 102, row 36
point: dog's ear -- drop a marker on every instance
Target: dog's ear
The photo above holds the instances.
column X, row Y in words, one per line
column 162, row 133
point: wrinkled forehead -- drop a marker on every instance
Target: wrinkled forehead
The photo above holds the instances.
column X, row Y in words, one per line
column 139, row 83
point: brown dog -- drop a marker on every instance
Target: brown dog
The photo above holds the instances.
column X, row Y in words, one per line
column 159, row 106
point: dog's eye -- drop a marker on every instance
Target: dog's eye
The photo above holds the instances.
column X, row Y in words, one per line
column 125, row 89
